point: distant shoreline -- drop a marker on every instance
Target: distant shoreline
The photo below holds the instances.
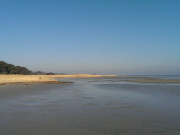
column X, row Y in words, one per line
column 154, row 81
column 42, row 79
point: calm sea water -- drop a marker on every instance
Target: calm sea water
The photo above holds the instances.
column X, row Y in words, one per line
column 104, row 106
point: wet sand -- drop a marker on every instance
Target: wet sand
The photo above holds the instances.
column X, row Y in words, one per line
column 90, row 106
column 150, row 80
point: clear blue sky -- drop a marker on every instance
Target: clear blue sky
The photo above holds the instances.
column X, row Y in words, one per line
column 92, row 36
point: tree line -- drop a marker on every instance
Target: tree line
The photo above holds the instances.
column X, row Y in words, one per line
column 6, row 68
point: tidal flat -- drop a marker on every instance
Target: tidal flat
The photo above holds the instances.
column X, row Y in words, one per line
column 91, row 106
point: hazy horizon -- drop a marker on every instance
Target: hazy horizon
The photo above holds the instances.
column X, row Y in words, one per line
column 101, row 37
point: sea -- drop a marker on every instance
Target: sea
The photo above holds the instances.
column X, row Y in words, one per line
column 91, row 106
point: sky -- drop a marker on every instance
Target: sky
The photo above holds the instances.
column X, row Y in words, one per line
column 125, row 37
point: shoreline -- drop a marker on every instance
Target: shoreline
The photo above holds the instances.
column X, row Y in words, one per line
column 42, row 79
column 52, row 79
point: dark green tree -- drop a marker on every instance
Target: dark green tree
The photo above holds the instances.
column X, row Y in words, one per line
column 6, row 68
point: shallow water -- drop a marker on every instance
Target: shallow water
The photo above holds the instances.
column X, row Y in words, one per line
column 94, row 106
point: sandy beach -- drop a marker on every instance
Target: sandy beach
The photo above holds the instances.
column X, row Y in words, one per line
column 49, row 79
column 28, row 79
